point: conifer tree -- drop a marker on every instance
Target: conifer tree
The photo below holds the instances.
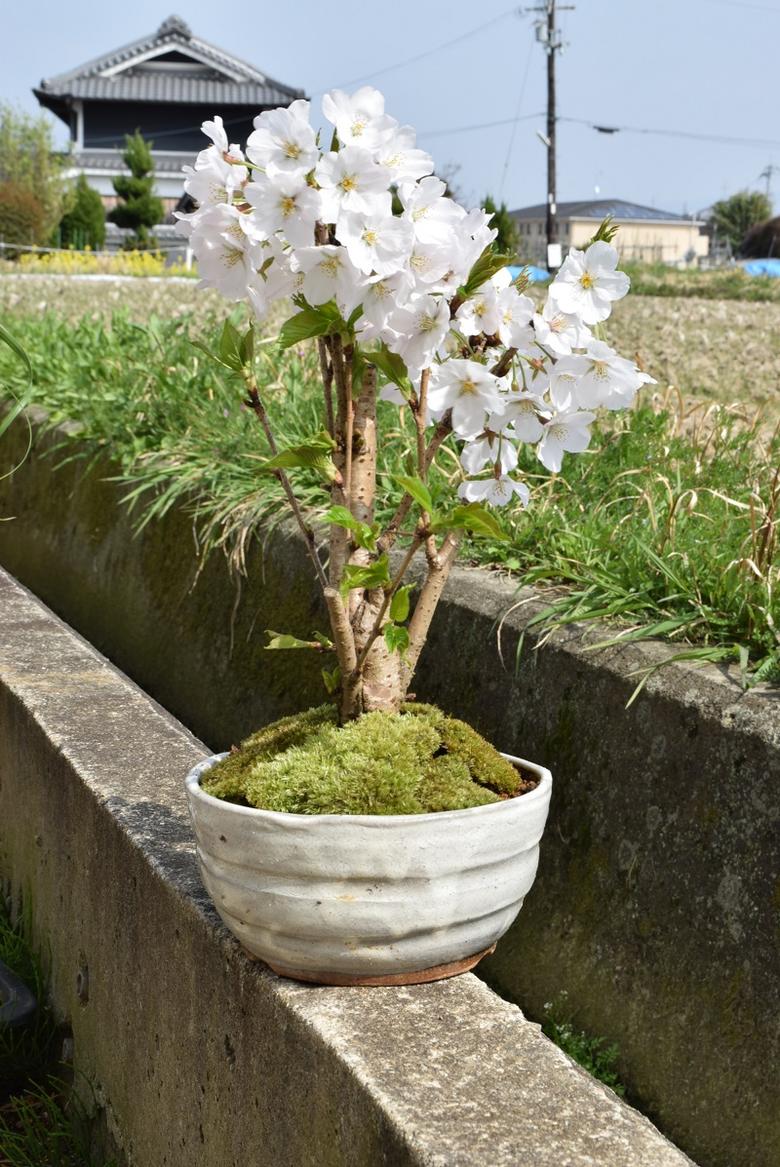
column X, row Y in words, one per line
column 84, row 225
column 507, row 239
column 139, row 209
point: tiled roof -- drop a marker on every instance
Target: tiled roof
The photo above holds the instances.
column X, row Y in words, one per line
column 598, row 209
column 230, row 80
column 111, row 160
column 185, row 90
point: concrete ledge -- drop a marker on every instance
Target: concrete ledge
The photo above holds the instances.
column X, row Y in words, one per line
column 654, row 908
column 202, row 1056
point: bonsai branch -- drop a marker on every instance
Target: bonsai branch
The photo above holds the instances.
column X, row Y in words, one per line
column 438, row 573
column 257, row 407
column 326, row 371
column 390, row 534
column 392, row 589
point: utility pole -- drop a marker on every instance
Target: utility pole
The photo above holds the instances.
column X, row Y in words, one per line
column 767, row 173
column 548, row 35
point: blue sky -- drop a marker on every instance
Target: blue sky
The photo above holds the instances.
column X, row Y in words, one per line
column 700, row 67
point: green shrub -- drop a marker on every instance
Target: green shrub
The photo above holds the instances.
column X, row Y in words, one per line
column 139, row 209
column 22, row 218
column 85, row 223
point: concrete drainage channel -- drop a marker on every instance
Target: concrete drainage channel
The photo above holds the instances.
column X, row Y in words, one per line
column 652, row 910
column 200, row 1055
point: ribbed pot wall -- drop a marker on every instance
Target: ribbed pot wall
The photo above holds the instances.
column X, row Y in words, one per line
column 368, row 895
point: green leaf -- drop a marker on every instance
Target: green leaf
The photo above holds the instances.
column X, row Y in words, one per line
column 487, row 265
column 331, row 679
column 399, row 605
column 373, row 575
column 473, row 517
column 364, row 535
column 15, row 347
column 391, row 366
column 230, row 347
column 321, row 321
column 417, row 489
column 284, row 640
column 20, row 403
column 314, row 455
column 209, row 353
column 248, row 346
column 396, row 638
column 606, row 232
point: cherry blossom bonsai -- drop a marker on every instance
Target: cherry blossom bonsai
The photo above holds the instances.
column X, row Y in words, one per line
column 408, row 301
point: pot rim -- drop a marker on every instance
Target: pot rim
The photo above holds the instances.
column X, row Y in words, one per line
column 540, row 793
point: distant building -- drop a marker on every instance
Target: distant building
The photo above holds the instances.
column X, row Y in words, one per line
column 165, row 85
column 645, row 233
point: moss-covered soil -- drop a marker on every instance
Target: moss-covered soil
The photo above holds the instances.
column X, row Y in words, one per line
column 412, row 762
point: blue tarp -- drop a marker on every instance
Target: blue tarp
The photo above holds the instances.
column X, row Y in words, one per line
column 763, row 267
column 536, row 275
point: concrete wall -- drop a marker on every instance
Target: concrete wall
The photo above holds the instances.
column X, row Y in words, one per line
column 655, row 907
column 200, row 1057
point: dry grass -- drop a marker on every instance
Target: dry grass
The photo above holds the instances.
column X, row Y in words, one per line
column 721, row 350
column 71, row 299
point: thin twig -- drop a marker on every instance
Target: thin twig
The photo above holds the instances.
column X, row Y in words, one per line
column 502, row 366
column 257, row 407
column 326, row 370
column 394, row 586
column 390, row 534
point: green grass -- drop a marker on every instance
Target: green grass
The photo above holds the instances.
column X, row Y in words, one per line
column 656, row 279
column 667, row 527
column 43, row 1123
column 25, row 1053
column 594, row 1054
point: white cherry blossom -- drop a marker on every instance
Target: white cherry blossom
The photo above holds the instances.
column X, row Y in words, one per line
column 496, row 492
column 360, row 120
column 467, row 388
column 416, row 330
column 610, row 380
column 329, row 274
column 558, row 331
column 564, row 432
column 375, row 243
column 350, row 180
column 285, row 204
column 428, row 210
column 381, row 297
column 283, row 142
column 491, row 449
column 587, row 283
column 401, row 158
column 521, row 413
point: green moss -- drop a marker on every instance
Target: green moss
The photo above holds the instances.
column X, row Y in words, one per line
column 485, row 764
column 384, row 763
column 228, row 779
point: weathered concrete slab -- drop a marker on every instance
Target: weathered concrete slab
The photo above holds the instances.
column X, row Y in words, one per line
column 655, row 907
column 201, row 1055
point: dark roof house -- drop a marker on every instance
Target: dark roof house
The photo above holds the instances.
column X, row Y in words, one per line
column 598, row 209
column 166, row 85
column 646, row 233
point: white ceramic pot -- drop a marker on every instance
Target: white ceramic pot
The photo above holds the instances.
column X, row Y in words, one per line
column 369, row 899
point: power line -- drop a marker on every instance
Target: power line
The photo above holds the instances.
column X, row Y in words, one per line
column 477, row 126
column 515, row 121
column 747, row 4
column 481, row 27
column 722, row 139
